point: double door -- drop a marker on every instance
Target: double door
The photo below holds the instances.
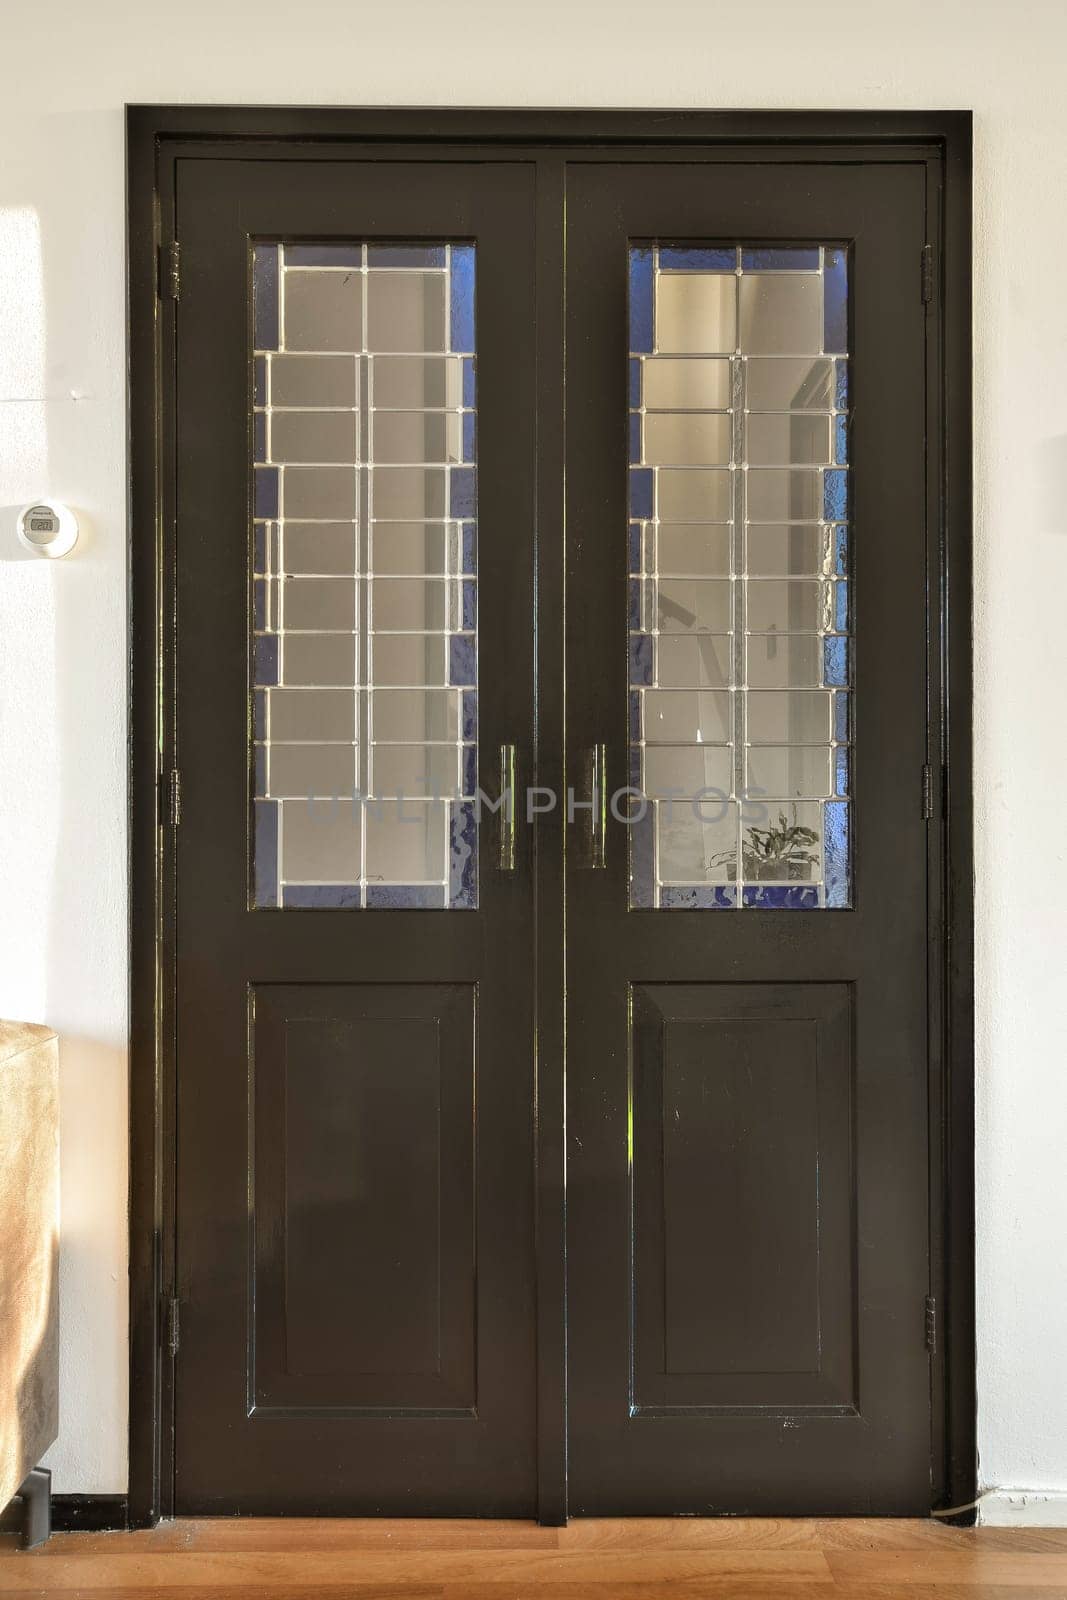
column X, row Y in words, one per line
column 550, row 953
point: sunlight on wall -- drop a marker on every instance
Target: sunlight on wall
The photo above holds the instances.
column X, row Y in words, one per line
column 21, row 305
column 62, row 721
column 29, row 754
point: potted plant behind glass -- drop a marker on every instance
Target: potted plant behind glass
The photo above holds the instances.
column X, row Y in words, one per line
column 784, row 851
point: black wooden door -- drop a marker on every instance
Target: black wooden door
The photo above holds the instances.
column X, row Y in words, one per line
column 746, row 972
column 354, row 1027
column 354, row 609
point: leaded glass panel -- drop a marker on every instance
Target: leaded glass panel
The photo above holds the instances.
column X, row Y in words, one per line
column 739, row 560
column 364, row 576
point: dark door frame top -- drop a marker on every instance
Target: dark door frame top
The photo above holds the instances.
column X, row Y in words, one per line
column 158, row 138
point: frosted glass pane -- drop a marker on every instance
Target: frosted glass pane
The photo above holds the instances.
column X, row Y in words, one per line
column 693, row 384
column 696, row 312
column 687, row 439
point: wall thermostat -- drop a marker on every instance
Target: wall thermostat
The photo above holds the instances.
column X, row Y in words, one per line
column 48, row 528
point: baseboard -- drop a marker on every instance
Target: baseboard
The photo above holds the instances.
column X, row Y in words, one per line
column 1023, row 1508
column 72, row 1513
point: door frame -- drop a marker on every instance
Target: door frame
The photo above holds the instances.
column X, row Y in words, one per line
column 157, row 137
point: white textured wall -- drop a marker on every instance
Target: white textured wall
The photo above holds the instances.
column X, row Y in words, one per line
column 68, row 69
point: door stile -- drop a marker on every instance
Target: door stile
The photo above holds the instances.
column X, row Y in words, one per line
column 549, row 850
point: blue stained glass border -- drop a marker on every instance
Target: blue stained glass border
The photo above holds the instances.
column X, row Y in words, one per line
column 405, row 255
column 469, row 600
column 836, row 852
column 461, row 298
column 698, row 897
column 322, row 897
column 641, row 301
column 642, row 493
column 265, row 659
column 463, row 856
column 469, row 714
column 835, row 494
column 405, row 896
column 835, row 302
column 841, row 551
column 781, row 258
column 265, row 853
column 841, row 717
column 260, row 604
column 841, row 384
column 782, row 897
column 835, row 661
column 640, row 659
column 463, row 835
column 469, row 555
column 265, row 497
column 266, row 320
column 841, row 606
column 462, row 663
column 462, row 492
column 635, row 547
column 635, row 716
column 323, row 255
column 642, row 860
column 841, row 439
column 841, row 772
column 636, row 598
column 697, row 258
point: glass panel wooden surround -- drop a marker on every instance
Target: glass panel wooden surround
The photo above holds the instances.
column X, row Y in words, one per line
column 364, row 576
column 739, row 556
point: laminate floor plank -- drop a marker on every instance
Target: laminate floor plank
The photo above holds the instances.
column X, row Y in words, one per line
column 966, row 1566
column 680, row 1558
column 264, row 1571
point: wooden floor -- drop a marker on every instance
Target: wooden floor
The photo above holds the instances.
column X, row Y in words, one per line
column 632, row 1560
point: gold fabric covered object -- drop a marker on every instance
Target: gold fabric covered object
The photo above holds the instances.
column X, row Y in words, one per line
column 29, row 1249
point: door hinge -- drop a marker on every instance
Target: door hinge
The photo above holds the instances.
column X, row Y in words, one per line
column 170, row 797
column 928, row 792
column 171, row 1327
column 170, row 271
column 931, row 1324
column 927, row 273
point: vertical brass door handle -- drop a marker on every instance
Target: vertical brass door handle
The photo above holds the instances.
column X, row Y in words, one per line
column 506, row 814
column 598, row 815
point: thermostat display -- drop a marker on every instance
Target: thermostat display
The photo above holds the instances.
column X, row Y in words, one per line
column 48, row 529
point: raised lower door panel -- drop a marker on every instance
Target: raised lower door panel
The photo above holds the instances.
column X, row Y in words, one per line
column 362, row 1297
column 742, row 1169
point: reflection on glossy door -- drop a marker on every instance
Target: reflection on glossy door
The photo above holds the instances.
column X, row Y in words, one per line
column 364, row 604
column 739, row 661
